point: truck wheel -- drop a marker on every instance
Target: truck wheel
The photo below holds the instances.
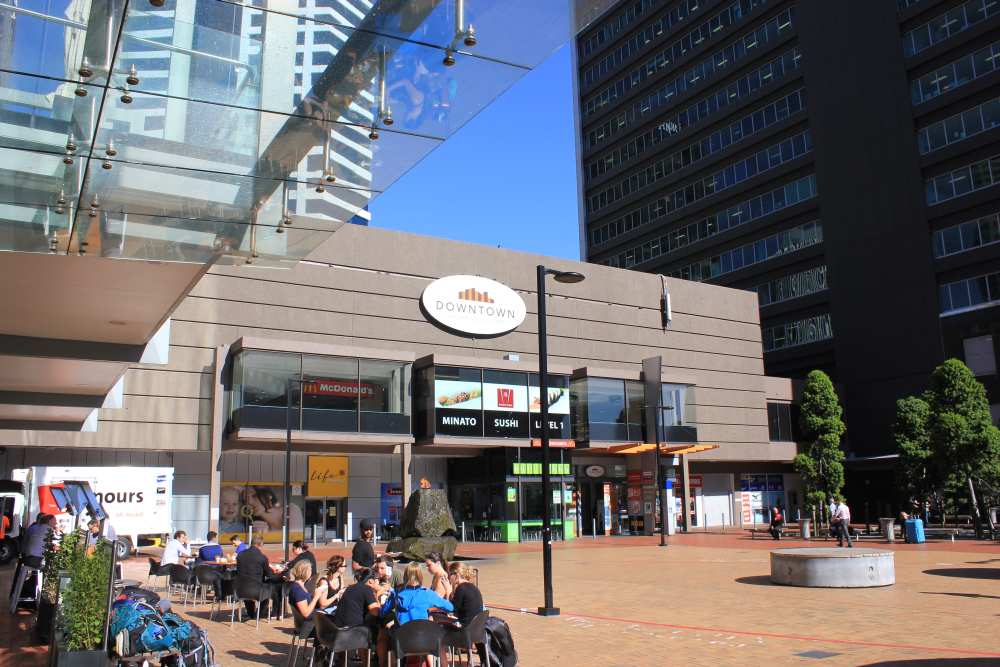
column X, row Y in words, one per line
column 123, row 548
column 8, row 550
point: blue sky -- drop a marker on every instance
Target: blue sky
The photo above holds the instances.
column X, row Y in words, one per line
column 507, row 178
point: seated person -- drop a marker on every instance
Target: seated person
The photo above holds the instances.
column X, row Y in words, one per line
column 211, row 551
column 332, row 586
column 468, row 600
column 177, row 550
column 357, row 601
column 254, row 575
column 302, row 554
column 414, row 602
column 239, row 546
column 437, row 566
column 298, row 596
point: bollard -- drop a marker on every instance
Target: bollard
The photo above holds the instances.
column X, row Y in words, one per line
column 593, row 528
column 706, row 521
column 315, row 534
column 463, row 531
column 250, row 535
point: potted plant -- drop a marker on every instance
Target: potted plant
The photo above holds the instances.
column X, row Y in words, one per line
column 59, row 557
column 82, row 602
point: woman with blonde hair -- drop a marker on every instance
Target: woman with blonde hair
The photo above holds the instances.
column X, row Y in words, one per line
column 298, row 596
column 468, row 600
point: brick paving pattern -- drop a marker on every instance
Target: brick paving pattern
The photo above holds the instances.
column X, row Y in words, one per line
column 705, row 600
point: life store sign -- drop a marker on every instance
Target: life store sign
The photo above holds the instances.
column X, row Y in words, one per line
column 473, row 306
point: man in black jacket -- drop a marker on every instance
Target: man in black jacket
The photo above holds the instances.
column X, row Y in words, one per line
column 254, row 576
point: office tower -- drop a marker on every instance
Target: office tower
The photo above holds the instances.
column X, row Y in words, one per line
column 839, row 158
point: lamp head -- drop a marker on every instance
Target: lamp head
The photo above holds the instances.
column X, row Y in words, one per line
column 567, row 276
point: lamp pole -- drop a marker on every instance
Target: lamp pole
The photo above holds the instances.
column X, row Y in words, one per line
column 549, row 609
column 660, row 408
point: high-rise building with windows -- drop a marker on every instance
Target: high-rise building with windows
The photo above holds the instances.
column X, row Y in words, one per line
column 841, row 159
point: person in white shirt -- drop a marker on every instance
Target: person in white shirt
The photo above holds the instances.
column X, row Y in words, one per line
column 842, row 523
column 176, row 549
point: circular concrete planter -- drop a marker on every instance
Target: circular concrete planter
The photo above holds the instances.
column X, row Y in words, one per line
column 833, row 567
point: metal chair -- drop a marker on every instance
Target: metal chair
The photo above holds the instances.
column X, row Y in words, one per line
column 463, row 639
column 303, row 630
column 245, row 590
column 417, row 638
column 208, row 576
column 341, row 640
column 181, row 580
column 17, row 596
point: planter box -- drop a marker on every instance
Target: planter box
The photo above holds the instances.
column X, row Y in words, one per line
column 82, row 659
column 45, row 621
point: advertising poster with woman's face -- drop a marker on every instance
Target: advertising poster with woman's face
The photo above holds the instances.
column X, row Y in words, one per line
column 258, row 504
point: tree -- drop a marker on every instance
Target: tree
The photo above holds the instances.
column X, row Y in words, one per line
column 915, row 478
column 965, row 444
column 821, row 466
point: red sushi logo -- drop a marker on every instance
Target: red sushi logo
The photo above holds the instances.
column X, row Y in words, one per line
column 505, row 397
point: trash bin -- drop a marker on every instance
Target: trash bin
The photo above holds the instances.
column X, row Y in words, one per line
column 805, row 528
column 888, row 528
column 914, row 529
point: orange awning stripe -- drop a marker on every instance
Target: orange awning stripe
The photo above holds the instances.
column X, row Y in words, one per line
column 666, row 449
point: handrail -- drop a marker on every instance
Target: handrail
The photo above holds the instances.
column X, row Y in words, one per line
column 168, row 47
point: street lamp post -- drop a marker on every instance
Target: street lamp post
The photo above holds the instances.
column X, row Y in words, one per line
column 293, row 384
column 543, row 389
column 660, row 409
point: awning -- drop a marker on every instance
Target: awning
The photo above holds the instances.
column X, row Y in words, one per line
column 665, row 449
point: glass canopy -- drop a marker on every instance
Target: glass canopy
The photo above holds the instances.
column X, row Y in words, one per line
column 226, row 130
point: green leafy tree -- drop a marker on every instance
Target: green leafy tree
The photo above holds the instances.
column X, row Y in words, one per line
column 85, row 600
column 916, row 480
column 821, row 465
column 964, row 442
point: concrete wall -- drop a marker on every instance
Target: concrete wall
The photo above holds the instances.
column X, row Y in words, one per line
column 362, row 289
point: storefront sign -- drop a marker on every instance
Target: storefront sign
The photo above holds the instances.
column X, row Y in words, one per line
column 473, row 305
column 746, row 508
column 558, row 444
column 459, row 407
column 340, row 388
column 511, row 494
column 392, row 503
column 536, row 469
column 505, row 410
column 558, row 409
column 594, row 471
column 328, row 476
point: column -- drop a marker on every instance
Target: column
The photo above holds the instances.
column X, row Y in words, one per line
column 218, row 426
column 406, row 479
column 686, row 514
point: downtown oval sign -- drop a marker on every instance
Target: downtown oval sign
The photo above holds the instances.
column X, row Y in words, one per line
column 473, row 306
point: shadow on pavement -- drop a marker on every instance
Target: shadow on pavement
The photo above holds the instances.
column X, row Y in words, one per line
column 964, row 595
column 967, row 573
column 270, row 659
column 937, row 662
column 759, row 580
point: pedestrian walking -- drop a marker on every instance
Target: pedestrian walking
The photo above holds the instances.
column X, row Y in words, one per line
column 777, row 521
column 842, row 523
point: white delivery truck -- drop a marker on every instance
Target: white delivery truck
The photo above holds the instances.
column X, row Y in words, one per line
column 137, row 500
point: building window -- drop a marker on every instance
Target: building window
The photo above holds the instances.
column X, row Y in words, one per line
column 606, row 409
column 779, row 422
column 633, row 11
column 759, row 251
column 384, row 396
column 720, row 222
column 960, row 182
column 969, row 294
column 967, row 235
column 722, row 60
column 800, row 332
column 725, row 178
column 697, row 111
column 743, row 128
column 947, row 25
column 330, row 392
column 961, row 126
column 980, row 356
column 955, row 74
column 791, row 287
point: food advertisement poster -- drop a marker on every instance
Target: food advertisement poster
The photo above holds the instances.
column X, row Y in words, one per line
column 505, row 410
column 458, row 407
column 558, row 406
column 258, row 504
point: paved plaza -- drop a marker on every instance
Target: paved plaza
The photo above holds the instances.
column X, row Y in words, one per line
column 704, row 600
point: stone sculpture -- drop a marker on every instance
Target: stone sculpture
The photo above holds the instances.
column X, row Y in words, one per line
column 427, row 527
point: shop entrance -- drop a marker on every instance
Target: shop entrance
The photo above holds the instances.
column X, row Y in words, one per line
column 324, row 518
column 603, row 507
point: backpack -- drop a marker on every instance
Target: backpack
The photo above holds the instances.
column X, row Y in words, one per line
column 500, row 643
column 139, row 594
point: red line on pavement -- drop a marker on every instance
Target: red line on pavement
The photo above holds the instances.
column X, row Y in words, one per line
column 773, row 635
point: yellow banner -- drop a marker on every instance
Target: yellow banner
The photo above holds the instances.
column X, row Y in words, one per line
column 328, row 476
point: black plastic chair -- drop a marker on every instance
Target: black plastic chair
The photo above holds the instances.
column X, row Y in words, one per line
column 156, row 571
column 303, row 631
column 417, row 638
column 341, row 640
column 248, row 590
column 182, row 579
column 210, row 578
column 465, row 638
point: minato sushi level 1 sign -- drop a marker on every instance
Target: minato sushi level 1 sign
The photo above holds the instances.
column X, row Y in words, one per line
column 473, row 306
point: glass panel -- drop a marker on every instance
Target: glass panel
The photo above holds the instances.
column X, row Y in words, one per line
column 959, row 295
column 263, row 386
column 385, row 396
column 673, row 398
column 330, row 391
column 635, row 400
column 606, row 408
column 978, row 291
